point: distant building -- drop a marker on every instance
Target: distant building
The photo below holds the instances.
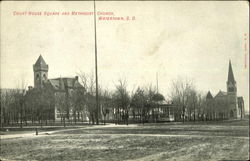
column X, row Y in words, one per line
column 61, row 85
column 226, row 104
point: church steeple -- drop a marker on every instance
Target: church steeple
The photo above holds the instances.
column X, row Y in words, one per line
column 231, row 83
column 230, row 77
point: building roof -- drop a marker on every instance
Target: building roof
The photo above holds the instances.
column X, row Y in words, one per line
column 40, row 61
column 230, row 77
column 40, row 64
column 209, row 95
column 64, row 83
column 54, row 83
column 221, row 94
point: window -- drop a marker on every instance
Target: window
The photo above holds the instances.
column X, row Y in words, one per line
column 230, row 89
column 37, row 77
column 44, row 76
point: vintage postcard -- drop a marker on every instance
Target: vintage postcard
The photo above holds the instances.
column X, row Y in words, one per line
column 124, row 80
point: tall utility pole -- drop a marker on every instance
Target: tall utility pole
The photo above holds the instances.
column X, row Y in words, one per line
column 157, row 82
column 96, row 73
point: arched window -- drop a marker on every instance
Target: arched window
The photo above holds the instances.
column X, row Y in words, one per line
column 44, row 77
column 37, row 77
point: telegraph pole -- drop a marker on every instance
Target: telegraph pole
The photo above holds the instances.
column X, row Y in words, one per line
column 96, row 73
column 157, row 82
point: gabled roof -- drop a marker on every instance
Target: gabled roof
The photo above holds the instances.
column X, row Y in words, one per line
column 230, row 77
column 209, row 95
column 54, row 83
column 63, row 83
column 221, row 94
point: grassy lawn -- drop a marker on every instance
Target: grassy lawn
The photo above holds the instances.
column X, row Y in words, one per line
column 221, row 141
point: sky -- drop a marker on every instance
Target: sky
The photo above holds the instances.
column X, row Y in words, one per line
column 193, row 40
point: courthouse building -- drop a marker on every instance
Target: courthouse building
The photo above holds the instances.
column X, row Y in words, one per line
column 60, row 85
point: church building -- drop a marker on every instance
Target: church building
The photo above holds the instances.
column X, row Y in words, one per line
column 226, row 105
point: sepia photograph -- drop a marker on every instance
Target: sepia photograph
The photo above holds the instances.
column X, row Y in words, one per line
column 124, row 80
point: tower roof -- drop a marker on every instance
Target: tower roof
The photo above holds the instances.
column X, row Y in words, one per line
column 40, row 65
column 40, row 62
column 230, row 77
column 209, row 95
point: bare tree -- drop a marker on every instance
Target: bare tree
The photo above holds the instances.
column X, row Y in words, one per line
column 106, row 103
column 201, row 105
column 88, row 82
column 138, row 102
column 78, row 102
column 180, row 91
column 61, row 104
column 122, row 101
column 151, row 105
column 192, row 104
column 20, row 96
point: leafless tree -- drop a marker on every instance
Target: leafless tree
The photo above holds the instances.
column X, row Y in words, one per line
column 138, row 102
column 121, row 100
column 180, row 95
column 88, row 82
column 106, row 103
column 62, row 105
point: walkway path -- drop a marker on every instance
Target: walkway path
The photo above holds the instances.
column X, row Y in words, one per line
column 45, row 133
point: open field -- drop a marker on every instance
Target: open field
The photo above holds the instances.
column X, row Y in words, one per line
column 166, row 141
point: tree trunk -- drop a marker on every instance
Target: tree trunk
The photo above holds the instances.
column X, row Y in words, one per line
column 75, row 117
column 64, row 124
column 194, row 113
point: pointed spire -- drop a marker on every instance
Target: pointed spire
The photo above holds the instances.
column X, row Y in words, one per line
column 209, row 95
column 40, row 64
column 40, row 61
column 230, row 77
